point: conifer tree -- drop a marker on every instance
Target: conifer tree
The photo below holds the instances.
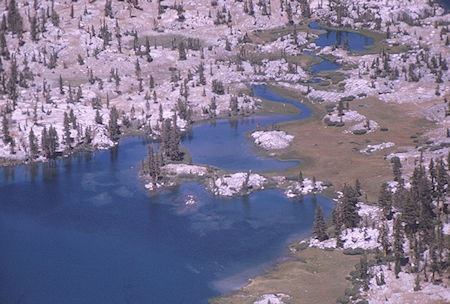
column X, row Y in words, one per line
column 421, row 193
column 152, row 164
column 15, row 22
column 67, row 138
column 182, row 51
column 201, row 74
column 319, row 226
column 73, row 119
column 5, row 129
column 442, row 179
column 396, row 169
column 98, row 117
column 53, row 141
column 12, row 82
column 358, row 187
column 61, row 89
column 33, row 145
column 364, row 271
column 300, row 178
column 33, row 28
column 350, row 216
column 113, row 127
column 434, row 267
column 383, row 238
column 137, row 68
column 398, row 246
column 409, row 210
column 385, row 201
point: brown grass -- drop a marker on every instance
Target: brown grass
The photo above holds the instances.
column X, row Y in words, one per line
column 313, row 276
column 329, row 154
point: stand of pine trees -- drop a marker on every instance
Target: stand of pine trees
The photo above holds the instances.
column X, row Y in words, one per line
column 152, row 165
column 170, row 139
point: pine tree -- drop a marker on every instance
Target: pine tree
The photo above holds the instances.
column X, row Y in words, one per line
column 319, row 226
column 12, row 82
column 385, row 201
column 300, row 178
column 15, row 22
column 152, row 165
column 88, row 135
column 417, row 283
column 67, row 138
column 61, row 89
column 98, row 117
column 175, row 138
column 434, row 267
column 73, row 119
column 340, row 108
column 383, row 238
column 151, row 82
column 5, row 128
column 350, row 216
column 358, row 187
column 398, row 245
column 409, row 210
column 137, row 68
column 54, row 16
column 338, row 232
column 113, row 127
column 108, row 9
column 364, row 271
column 53, row 141
column 33, row 28
column 33, row 145
column 421, row 193
column 182, row 51
column 442, row 179
column 396, row 169
column 44, row 141
column 201, row 74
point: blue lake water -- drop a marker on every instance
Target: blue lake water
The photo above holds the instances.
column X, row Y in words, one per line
column 324, row 65
column 226, row 145
column 356, row 42
column 445, row 4
column 84, row 229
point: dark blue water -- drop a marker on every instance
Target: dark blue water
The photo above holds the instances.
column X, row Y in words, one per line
column 325, row 65
column 356, row 42
column 226, row 145
column 84, row 230
column 445, row 4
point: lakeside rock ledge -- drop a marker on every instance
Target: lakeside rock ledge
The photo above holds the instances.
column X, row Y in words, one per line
column 272, row 140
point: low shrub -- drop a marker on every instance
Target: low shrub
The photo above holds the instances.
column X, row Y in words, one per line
column 356, row 251
column 360, row 132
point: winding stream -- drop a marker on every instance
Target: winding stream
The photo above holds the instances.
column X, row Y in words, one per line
column 84, row 229
column 214, row 149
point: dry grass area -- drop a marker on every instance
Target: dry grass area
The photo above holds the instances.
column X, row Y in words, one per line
column 313, row 276
column 263, row 36
column 329, row 154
